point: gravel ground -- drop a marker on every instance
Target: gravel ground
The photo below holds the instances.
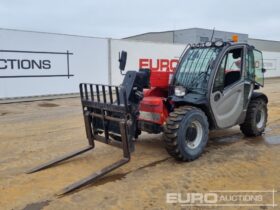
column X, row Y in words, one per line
column 35, row 132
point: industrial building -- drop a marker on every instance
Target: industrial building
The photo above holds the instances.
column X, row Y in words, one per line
column 196, row 35
column 270, row 48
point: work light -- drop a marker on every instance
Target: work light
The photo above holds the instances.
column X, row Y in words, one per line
column 180, row 91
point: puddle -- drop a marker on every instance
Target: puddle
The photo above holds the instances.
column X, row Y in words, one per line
column 225, row 140
column 115, row 177
column 269, row 140
column 36, row 206
column 4, row 113
column 152, row 164
column 272, row 139
column 275, row 126
column 268, row 129
column 48, row 105
column 111, row 178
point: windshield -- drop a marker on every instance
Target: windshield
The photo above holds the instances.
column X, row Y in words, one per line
column 194, row 68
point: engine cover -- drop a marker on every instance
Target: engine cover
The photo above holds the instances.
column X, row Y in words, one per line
column 153, row 109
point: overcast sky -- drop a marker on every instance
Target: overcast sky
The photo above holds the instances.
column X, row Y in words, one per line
column 121, row 18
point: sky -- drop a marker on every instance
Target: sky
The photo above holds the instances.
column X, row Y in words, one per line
column 122, row 18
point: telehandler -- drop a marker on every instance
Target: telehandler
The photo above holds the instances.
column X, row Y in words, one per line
column 213, row 87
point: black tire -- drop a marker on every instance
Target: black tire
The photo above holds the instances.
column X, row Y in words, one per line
column 178, row 142
column 256, row 118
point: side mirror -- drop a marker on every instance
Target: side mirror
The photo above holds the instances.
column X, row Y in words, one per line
column 122, row 60
column 263, row 70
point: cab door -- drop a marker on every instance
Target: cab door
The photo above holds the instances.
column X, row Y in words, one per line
column 227, row 95
column 258, row 68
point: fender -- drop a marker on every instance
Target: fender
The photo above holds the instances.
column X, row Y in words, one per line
column 259, row 95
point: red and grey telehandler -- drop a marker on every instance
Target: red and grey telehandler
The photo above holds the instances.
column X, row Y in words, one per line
column 214, row 87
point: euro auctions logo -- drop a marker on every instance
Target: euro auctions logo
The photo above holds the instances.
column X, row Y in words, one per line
column 158, row 64
column 248, row 198
column 24, row 63
column 192, row 198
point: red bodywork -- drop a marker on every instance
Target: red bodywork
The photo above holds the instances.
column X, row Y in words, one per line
column 153, row 108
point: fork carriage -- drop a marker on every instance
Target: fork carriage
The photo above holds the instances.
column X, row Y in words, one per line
column 110, row 114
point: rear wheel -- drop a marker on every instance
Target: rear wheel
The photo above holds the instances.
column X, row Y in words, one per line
column 256, row 118
column 186, row 133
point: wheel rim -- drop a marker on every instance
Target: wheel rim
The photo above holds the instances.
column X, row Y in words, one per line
column 194, row 134
column 260, row 118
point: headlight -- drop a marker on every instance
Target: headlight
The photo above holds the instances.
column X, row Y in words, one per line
column 219, row 43
column 208, row 44
column 180, row 91
column 149, row 116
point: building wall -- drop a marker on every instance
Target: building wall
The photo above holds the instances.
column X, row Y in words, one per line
column 155, row 56
column 271, row 63
column 196, row 35
column 188, row 36
column 86, row 61
column 165, row 37
column 71, row 60
column 265, row 45
column 271, row 55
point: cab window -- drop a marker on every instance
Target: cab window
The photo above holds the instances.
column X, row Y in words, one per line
column 250, row 71
column 258, row 67
column 229, row 70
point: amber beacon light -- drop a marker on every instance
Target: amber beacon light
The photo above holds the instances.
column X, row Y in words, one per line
column 235, row 38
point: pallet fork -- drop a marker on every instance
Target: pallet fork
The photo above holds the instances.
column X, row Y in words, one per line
column 108, row 110
column 102, row 114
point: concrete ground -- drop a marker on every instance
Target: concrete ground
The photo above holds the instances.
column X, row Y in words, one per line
column 35, row 132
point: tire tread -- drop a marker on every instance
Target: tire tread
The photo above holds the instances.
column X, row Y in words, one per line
column 248, row 128
column 171, row 131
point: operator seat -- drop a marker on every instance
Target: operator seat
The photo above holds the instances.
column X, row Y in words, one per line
column 232, row 77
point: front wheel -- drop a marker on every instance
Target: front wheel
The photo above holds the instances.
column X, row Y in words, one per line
column 256, row 118
column 186, row 133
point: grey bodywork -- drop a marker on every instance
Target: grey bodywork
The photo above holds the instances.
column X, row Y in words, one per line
column 224, row 108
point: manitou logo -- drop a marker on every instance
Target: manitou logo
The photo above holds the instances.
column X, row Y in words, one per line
column 158, row 64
